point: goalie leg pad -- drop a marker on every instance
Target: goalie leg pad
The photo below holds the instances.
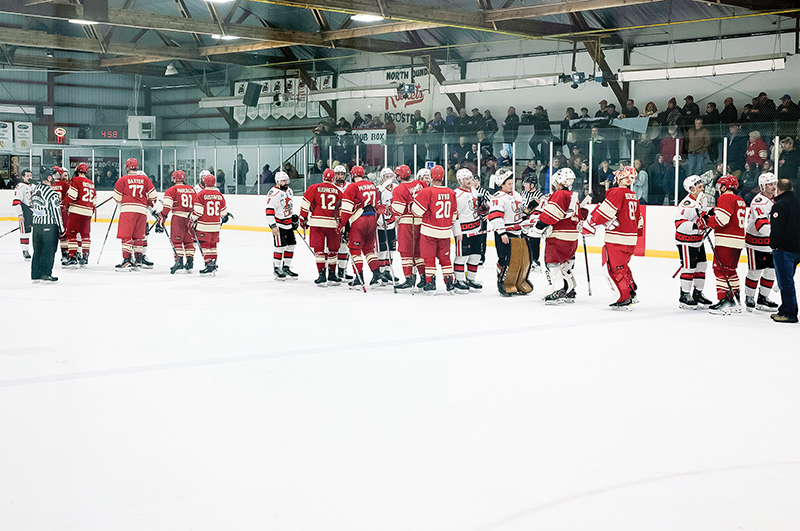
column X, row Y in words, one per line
column 520, row 248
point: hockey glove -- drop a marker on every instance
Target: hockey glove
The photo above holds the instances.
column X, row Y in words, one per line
column 160, row 226
column 295, row 221
column 701, row 224
column 380, row 210
column 613, row 224
column 588, row 230
column 304, row 223
column 224, row 219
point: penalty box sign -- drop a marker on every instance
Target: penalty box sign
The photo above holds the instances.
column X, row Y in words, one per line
column 368, row 136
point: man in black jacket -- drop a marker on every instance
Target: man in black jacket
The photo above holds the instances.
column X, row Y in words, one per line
column 784, row 239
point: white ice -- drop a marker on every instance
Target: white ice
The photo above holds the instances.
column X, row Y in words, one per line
column 145, row 401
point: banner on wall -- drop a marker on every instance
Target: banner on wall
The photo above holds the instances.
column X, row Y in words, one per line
column 293, row 100
column 23, row 134
column 6, row 136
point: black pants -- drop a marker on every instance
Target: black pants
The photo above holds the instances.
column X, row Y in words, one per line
column 45, row 246
column 503, row 250
column 534, row 245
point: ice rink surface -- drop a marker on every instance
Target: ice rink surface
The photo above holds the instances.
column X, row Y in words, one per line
column 146, row 401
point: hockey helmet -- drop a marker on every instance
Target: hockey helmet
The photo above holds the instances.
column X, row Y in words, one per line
column 340, row 169
column 691, row 182
column 437, row 173
column 728, row 181
column 626, row 175
column 463, row 176
column 82, row 168
column 565, row 177
column 765, row 179
column 178, row 176
column 403, row 172
column 502, row 175
column 131, row 164
column 203, row 174
column 328, row 175
column 281, row 176
column 357, row 171
column 386, row 174
column 208, row 180
column 59, row 172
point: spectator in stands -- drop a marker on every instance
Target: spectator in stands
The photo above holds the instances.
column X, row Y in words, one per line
column 485, row 145
column 605, row 175
column 747, row 119
column 645, row 150
column 317, row 169
column 450, row 123
column 712, row 121
column 576, row 154
column 221, row 180
column 630, row 110
column 472, row 154
column 655, row 174
column 748, row 183
column 530, row 170
column 266, row 180
column 436, row 128
column 670, row 115
column 388, row 124
column 510, row 128
column 640, row 186
column 462, row 123
column 420, row 123
column 737, row 147
column 690, row 111
column 489, row 169
column 612, row 133
column 476, row 120
column 505, row 159
column 697, row 141
column 764, row 112
column 540, row 141
column 668, row 145
column 459, row 151
column 729, row 114
column 787, row 114
column 581, row 171
column 650, row 110
column 548, row 176
column 241, row 169
column 568, row 137
column 344, row 125
column 709, row 182
column 602, row 112
column 598, row 144
column 756, row 150
column 489, row 125
column 788, row 161
column 358, row 121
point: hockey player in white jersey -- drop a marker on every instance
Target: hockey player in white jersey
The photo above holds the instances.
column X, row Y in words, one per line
column 424, row 175
column 468, row 245
column 340, row 180
column 505, row 216
column 760, row 270
column 387, row 233
column 689, row 229
column 282, row 223
column 22, row 206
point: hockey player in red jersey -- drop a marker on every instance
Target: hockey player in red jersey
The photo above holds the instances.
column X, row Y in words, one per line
column 689, row 239
column 359, row 203
column 436, row 207
column 135, row 193
column 408, row 226
column 280, row 219
column 620, row 214
column 81, row 201
column 209, row 213
column 61, row 185
column 760, row 269
column 727, row 219
column 179, row 199
column 558, row 223
column 318, row 211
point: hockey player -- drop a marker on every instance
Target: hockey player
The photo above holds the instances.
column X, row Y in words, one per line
column 408, row 226
column 135, row 193
column 619, row 212
column 468, row 245
column 359, row 203
column 505, row 216
column 728, row 221
column 558, row 222
column 532, row 199
column 424, row 176
column 759, row 253
column 387, row 235
column 61, row 185
column 691, row 249
column 22, row 206
column 179, row 199
column 436, row 207
column 81, row 201
column 318, row 211
column 281, row 223
column 340, row 180
column 209, row 213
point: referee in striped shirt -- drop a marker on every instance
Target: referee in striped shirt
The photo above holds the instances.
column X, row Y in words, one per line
column 47, row 226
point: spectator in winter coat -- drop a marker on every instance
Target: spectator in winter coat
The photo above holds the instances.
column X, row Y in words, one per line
column 489, row 125
column 756, row 150
column 729, row 114
column 711, row 119
column 788, row 113
column 655, row 173
column 641, row 186
column 737, row 147
column 697, row 141
column 788, row 161
column 510, row 128
column 668, row 145
column 645, row 150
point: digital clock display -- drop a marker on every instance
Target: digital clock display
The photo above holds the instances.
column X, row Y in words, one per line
column 108, row 132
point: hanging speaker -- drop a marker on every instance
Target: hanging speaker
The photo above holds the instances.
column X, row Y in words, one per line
column 251, row 94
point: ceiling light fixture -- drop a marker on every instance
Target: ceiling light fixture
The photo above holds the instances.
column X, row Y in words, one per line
column 719, row 67
column 171, row 70
column 218, row 1
column 224, row 37
column 345, row 93
column 82, row 22
column 366, row 18
column 499, row 83
column 234, row 101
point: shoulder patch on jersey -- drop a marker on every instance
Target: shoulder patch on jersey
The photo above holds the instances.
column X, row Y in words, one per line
column 760, row 199
column 686, row 202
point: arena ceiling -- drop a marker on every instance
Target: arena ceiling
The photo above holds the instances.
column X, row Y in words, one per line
column 144, row 36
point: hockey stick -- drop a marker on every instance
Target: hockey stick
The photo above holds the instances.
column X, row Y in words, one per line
column 355, row 270
column 586, row 258
column 302, row 237
column 716, row 258
column 9, row 232
column 114, row 215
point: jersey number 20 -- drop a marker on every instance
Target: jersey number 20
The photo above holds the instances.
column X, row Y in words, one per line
column 443, row 209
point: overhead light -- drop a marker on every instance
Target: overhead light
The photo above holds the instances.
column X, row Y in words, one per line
column 171, row 70
column 17, row 109
column 218, row 1
column 366, row 18
column 499, row 83
column 719, row 67
column 233, row 101
column 82, row 22
column 224, row 37
column 346, row 93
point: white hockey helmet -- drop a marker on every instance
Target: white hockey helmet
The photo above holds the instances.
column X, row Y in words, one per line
column 464, row 176
column 765, row 179
column 386, row 174
column 565, row 177
column 281, row 176
column 501, row 176
column 424, row 175
column 340, row 169
column 203, row 173
column 690, row 182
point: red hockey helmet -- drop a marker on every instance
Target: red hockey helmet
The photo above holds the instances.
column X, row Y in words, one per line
column 178, row 176
column 82, row 168
column 437, row 173
column 209, row 181
column 328, row 175
column 131, row 164
column 729, row 181
column 402, row 172
column 357, row 171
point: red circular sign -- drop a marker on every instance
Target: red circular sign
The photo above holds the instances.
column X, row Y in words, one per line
column 60, row 131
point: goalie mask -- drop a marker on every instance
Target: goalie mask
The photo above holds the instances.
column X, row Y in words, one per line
column 501, row 176
column 691, row 182
column 564, row 177
column 626, row 175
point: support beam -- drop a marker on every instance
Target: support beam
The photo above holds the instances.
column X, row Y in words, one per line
column 560, row 8
column 433, row 68
column 593, row 47
column 184, row 11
